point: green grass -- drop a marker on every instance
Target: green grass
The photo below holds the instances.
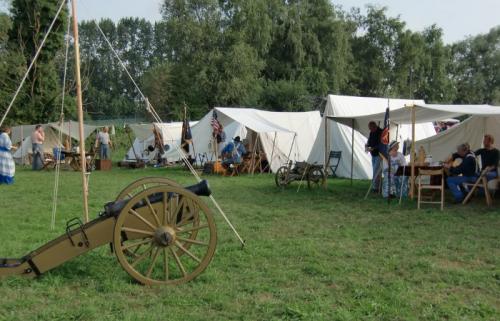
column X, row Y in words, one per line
column 311, row 255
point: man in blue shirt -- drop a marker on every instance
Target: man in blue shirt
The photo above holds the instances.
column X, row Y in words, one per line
column 467, row 170
column 233, row 152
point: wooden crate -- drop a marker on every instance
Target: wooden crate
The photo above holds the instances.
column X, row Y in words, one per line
column 103, row 164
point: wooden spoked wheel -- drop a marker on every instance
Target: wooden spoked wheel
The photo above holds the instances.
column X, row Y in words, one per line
column 142, row 184
column 147, row 182
column 165, row 235
column 315, row 177
column 281, row 177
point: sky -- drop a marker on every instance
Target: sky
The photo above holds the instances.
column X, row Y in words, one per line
column 457, row 18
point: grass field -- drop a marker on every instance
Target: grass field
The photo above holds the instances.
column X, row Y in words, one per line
column 311, row 255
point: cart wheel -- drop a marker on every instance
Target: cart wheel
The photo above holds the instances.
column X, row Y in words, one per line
column 142, row 184
column 315, row 178
column 281, row 177
column 155, row 226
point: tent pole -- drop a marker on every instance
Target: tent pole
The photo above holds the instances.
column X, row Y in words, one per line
column 272, row 152
column 412, row 156
column 253, row 153
column 291, row 147
column 69, row 131
column 352, row 149
column 327, row 152
column 22, row 141
column 80, row 114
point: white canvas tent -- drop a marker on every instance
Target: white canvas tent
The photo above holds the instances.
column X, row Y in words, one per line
column 472, row 131
column 279, row 133
column 23, row 133
column 335, row 135
column 171, row 134
column 485, row 119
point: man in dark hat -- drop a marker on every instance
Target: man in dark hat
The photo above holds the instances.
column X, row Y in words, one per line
column 232, row 152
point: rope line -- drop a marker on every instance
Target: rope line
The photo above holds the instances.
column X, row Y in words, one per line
column 32, row 63
column 155, row 115
column 61, row 123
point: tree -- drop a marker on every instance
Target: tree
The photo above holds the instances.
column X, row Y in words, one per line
column 12, row 66
column 476, row 68
column 375, row 52
column 30, row 21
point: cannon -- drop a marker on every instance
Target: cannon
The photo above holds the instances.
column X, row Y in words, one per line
column 160, row 232
column 313, row 173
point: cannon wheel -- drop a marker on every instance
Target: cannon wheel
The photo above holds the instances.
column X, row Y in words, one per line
column 147, row 182
column 142, row 184
column 281, row 177
column 155, row 234
column 315, row 177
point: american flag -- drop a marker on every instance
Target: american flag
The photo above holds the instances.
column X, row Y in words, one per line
column 384, row 137
column 216, row 126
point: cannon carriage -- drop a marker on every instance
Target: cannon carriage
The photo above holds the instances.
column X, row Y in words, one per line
column 300, row 171
column 160, row 232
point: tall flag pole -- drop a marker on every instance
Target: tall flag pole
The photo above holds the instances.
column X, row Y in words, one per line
column 216, row 131
column 187, row 137
column 384, row 146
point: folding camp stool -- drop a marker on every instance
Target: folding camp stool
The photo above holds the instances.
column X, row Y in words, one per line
column 480, row 182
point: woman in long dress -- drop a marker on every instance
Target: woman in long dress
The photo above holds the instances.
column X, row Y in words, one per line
column 7, row 166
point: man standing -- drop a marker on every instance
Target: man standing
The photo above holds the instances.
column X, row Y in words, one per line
column 104, row 143
column 467, row 170
column 37, row 139
column 489, row 156
column 372, row 146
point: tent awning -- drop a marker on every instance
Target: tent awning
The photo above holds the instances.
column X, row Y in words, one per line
column 424, row 113
column 252, row 119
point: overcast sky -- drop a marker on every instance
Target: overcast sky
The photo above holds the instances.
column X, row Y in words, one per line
column 458, row 18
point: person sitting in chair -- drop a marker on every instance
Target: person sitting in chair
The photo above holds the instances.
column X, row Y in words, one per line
column 466, row 170
column 398, row 184
column 489, row 157
column 232, row 152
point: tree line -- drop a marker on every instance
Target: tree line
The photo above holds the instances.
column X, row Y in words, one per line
column 270, row 54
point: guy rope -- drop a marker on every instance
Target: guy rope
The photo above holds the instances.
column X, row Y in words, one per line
column 157, row 118
column 160, row 232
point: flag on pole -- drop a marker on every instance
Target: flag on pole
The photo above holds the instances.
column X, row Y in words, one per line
column 217, row 129
column 384, row 137
column 187, row 137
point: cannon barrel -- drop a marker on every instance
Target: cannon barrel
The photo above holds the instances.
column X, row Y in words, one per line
column 201, row 189
column 114, row 208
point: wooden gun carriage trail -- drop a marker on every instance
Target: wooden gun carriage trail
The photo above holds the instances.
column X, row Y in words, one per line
column 160, row 232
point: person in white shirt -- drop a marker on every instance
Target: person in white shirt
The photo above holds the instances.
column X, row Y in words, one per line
column 104, row 143
column 398, row 183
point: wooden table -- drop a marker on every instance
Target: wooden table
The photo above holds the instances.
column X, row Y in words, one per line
column 435, row 180
column 74, row 160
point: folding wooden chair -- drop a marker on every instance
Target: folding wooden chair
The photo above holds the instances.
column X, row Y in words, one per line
column 482, row 182
column 334, row 161
column 427, row 186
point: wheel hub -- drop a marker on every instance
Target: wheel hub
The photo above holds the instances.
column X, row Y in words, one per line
column 164, row 236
